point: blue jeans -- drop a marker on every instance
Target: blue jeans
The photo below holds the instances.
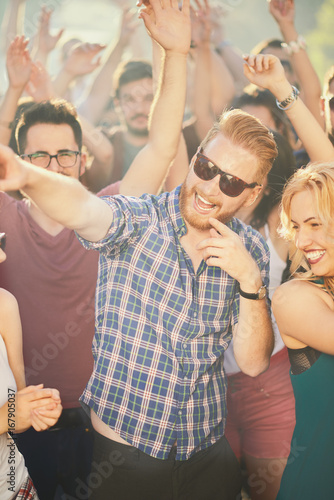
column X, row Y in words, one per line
column 59, row 458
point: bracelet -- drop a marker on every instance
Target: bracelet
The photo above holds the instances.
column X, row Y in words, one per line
column 295, row 45
column 289, row 101
column 7, row 124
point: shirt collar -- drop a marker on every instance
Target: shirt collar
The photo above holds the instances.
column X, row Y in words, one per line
column 173, row 204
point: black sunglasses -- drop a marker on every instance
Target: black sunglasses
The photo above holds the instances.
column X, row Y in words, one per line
column 229, row 184
column 331, row 103
column 2, row 241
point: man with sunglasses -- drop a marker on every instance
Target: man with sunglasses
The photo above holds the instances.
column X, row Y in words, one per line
column 54, row 278
column 178, row 276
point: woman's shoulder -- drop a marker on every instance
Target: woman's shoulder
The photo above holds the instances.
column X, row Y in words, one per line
column 299, row 290
column 297, row 306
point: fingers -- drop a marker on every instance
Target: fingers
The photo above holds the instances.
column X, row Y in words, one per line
column 30, row 388
column 42, row 419
column 220, row 227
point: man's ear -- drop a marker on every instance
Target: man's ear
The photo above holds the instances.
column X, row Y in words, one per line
column 255, row 193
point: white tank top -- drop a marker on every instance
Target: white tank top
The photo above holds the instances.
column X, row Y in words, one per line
column 277, row 266
column 12, row 468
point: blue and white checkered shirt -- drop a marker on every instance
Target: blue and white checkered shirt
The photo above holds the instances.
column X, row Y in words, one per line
column 162, row 329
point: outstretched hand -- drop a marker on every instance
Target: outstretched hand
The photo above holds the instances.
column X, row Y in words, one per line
column 264, row 70
column 18, row 62
column 46, row 41
column 282, row 10
column 201, row 22
column 168, row 25
column 83, row 59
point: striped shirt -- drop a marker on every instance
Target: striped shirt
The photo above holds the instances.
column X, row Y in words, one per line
column 162, row 329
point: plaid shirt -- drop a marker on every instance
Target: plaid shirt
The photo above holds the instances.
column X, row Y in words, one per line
column 162, row 329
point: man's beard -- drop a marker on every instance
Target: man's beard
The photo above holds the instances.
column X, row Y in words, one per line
column 138, row 132
column 191, row 217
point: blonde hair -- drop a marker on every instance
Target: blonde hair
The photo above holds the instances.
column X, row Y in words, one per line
column 318, row 179
column 246, row 131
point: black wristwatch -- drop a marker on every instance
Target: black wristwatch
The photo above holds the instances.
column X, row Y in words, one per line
column 259, row 295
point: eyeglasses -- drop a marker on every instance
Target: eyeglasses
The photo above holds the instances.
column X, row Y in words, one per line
column 229, row 184
column 65, row 158
column 2, row 241
column 331, row 103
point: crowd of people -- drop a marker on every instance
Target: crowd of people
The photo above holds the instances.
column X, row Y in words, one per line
column 166, row 302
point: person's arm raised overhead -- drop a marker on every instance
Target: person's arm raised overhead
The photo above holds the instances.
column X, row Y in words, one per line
column 81, row 61
column 19, row 66
column 267, row 72
column 92, row 107
column 284, row 14
column 170, row 28
column 45, row 42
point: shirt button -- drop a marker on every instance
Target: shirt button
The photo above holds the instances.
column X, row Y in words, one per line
column 195, row 314
column 179, row 412
column 184, row 346
column 185, row 377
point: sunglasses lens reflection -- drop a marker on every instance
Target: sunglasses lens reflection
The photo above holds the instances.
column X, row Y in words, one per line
column 228, row 184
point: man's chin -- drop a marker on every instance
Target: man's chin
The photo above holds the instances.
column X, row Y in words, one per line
column 138, row 132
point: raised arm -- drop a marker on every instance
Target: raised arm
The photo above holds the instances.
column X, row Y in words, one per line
column 45, row 42
column 92, row 107
column 170, row 27
column 12, row 22
column 284, row 14
column 81, row 61
column 267, row 72
column 19, row 67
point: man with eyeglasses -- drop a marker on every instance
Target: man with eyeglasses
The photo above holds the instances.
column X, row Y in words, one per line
column 54, row 278
column 178, row 276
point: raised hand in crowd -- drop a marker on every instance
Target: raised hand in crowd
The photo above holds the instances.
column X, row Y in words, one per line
column 19, row 67
column 266, row 71
column 284, row 13
column 45, row 41
column 82, row 60
column 213, row 83
column 39, row 86
column 93, row 106
column 19, row 63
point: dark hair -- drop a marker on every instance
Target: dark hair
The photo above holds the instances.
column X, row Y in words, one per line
column 53, row 111
column 283, row 167
column 253, row 96
column 130, row 71
column 274, row 43
column 24, row 104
